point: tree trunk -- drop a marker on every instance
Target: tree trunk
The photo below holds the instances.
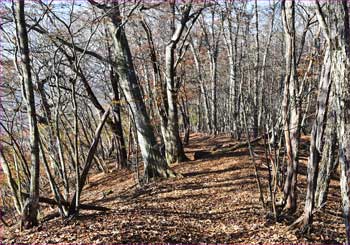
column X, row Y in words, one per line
column 251, row 153
column 343, row 88
column 116, row 123
column 52, row 182
column 203, row 90
column 11, row 182
column 211, row 38
column 316, row 146
column 74, row 207
column 256, row 75
column 154, row 164
column 174, row 151
column 213, row 70
column 231, row 44
column 337, row 34
column 341, row 76
column 262, row 76
column 185, row 119
column 291, row 107
column 327, row 163
column 30, row 210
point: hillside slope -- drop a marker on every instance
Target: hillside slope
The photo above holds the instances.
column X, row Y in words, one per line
column 216, row 201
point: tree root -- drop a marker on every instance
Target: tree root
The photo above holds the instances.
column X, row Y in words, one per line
column 157, row 172
column 306, row 228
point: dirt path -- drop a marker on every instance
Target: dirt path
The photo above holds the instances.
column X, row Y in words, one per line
column 216, row 201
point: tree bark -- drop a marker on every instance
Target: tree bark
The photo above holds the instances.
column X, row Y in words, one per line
column 212, row 38
column 327, row 163
column 154, row 164
column 232, row 43
column 30, row 210
column 203, row 90
column 262, row 75
column 256, row 75
column 316, row 146
column 291, row 106
column 341, row 76
column 174, row 151
column 116, row 123
column 337, row 33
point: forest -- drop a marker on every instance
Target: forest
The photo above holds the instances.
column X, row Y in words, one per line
column 211, row 121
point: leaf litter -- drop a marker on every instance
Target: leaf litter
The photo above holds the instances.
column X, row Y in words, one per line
column 216, row 201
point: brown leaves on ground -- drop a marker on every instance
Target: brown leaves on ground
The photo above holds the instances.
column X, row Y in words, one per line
column 215, row 202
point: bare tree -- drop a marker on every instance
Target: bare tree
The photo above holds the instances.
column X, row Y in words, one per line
column 317, row 133
column 31, row 206
column 291, row 106
column 154, row 164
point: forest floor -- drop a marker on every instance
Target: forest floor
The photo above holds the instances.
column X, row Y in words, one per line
column 216, row 201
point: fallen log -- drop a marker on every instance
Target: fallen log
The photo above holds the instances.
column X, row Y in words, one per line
column 201, row 154
column 67, row 204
